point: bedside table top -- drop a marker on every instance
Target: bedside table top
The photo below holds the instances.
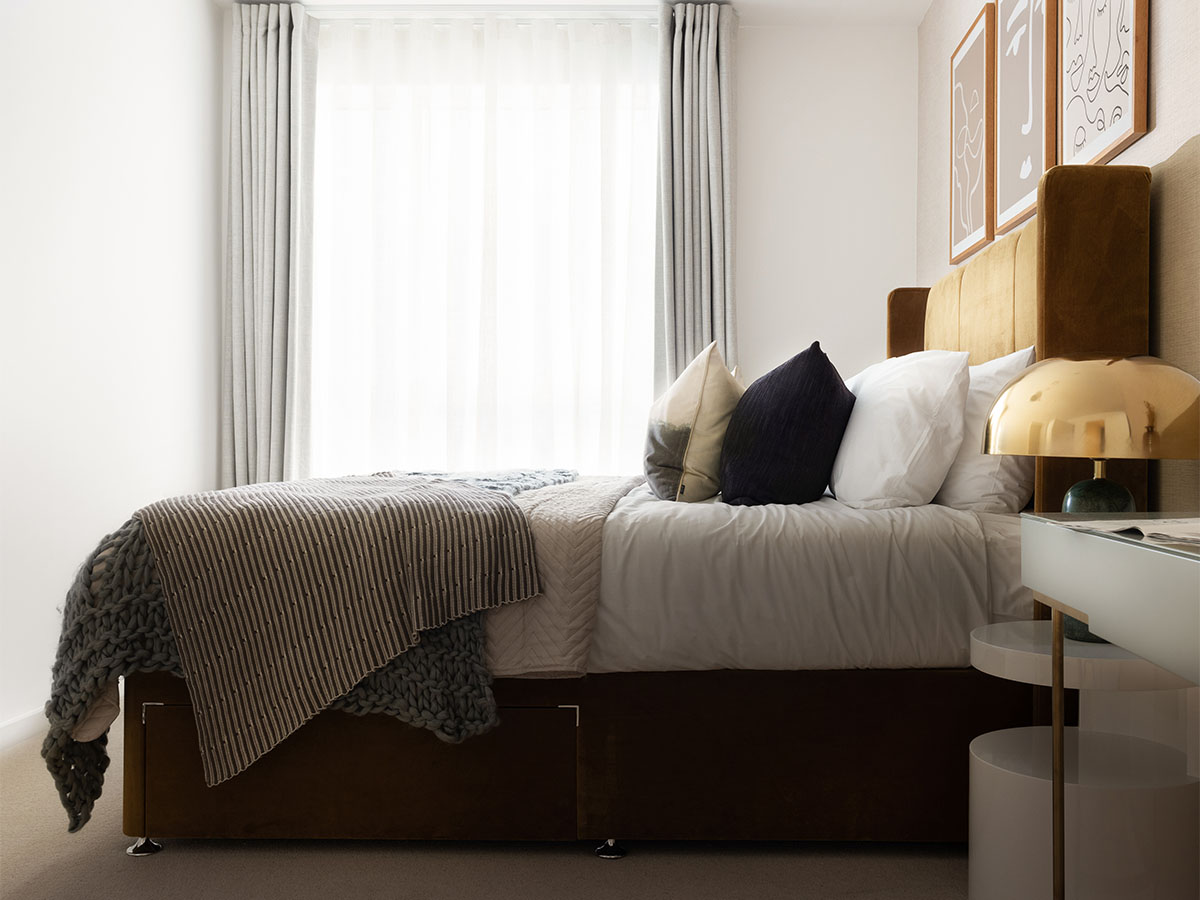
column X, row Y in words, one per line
column 1020, row 651
column 1141, row 595
column 1187, row 551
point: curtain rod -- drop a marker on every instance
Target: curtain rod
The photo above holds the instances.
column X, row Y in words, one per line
column 527, row 11
column 451, row 13
column 369, row 8
column 649, row 6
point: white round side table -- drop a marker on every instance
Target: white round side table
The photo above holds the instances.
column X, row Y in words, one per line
column 1020, row 651
column 1132, row 809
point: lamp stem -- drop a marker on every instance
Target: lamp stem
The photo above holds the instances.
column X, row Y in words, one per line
column 1099, row 468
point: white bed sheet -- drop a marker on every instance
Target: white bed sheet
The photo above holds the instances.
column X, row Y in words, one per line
column 816, row 586
column 1010, row 599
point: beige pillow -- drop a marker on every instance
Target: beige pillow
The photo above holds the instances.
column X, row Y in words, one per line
column 687, row 428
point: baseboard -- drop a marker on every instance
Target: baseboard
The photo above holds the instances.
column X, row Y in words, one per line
column 20, row 728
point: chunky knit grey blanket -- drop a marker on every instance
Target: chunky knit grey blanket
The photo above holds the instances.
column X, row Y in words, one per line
column 116, row 621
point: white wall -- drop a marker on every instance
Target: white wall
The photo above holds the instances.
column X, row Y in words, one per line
column 109, row 284
column 827, row 169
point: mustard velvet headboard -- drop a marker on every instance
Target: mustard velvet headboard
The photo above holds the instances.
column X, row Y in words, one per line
column 1075, row 281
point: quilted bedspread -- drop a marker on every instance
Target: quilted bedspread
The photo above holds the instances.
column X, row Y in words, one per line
column 551, row 633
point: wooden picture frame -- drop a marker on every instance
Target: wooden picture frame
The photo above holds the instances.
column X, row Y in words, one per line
column 973, row 137
column 1026, row 105
column 1103, row 49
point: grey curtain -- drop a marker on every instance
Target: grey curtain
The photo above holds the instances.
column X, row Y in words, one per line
column 695, row 303
column 266, row 309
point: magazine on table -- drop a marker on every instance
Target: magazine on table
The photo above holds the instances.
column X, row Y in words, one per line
column 1158, row 531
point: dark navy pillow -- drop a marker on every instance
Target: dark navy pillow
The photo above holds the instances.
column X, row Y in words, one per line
column 785, row 432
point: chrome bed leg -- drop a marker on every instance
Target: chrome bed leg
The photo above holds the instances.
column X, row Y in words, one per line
column 610, row 849
column 143, row 846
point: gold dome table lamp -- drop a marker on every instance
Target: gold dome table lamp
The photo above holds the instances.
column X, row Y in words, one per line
column 1099, row 409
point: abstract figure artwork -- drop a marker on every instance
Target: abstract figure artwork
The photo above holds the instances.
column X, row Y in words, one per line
column 1102, row 77
column 1025, row 105
column 972, row 140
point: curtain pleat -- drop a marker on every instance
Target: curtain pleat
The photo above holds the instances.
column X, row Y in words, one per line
column 694, row 261
column 268, row 245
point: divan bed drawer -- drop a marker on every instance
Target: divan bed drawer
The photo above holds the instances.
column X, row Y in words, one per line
column 371, row 777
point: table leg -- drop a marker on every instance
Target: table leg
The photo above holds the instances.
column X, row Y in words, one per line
column 1056, row 667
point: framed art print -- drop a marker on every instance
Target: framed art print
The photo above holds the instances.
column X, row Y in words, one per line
column 972, row 141
column 1103, row 49
column 1026, row 121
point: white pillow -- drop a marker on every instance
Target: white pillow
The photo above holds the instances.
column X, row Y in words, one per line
column 977, row 481
column 904, row 431
column 687, row 429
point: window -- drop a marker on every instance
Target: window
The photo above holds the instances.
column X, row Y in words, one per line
column 484, row 232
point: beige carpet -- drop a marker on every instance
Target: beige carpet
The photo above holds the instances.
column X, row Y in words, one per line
column 38, row 859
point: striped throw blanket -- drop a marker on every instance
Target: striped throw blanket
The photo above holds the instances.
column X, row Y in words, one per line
column 283, row 598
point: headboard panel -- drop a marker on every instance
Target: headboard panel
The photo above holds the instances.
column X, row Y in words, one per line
column 942, row 311
column 1074, row 281
column 906, row 320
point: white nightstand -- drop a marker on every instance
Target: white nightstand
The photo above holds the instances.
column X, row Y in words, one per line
column 1142, row 596
column 1131, row 805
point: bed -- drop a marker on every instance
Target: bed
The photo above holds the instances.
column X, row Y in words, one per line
column 768, row 751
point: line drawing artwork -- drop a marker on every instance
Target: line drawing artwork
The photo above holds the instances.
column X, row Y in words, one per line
column 970, row 162
column 968, row 153
column 1020, row 105
column 1097, row 71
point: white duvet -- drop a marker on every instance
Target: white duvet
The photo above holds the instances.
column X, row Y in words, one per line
column 817, row 586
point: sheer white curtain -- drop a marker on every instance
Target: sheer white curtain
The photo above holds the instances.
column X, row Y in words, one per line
column 484, row 234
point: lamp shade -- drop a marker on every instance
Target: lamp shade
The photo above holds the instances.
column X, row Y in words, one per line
column 1134, row 408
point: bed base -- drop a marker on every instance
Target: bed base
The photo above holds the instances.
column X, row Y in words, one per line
column 858, row 755
column 854, row 755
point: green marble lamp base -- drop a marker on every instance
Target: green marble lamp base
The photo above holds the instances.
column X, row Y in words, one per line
column 1098, row 495
column 1093, row 495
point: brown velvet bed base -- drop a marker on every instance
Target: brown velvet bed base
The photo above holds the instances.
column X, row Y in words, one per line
column 812, row 755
